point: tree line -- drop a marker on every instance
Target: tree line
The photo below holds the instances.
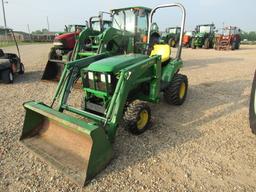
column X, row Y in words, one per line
column 250, row 36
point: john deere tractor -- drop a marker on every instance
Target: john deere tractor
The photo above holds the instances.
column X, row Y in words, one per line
column 204, row 37
column 132, row 70
column 172, row 36
column 64, row 44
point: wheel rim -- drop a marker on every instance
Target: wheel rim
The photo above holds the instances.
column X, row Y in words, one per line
column 11, row 76
column 173, row 43
column 143, row 119
column 182, row 90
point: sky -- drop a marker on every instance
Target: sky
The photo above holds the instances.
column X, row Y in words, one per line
column 21, row 13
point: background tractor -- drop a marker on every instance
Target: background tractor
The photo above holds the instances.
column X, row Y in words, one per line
column 10, row 63
column 229, row 40
column 131, row 70
column 187, row 38
column 172, row 36
column 64, row 44
column 204, row 36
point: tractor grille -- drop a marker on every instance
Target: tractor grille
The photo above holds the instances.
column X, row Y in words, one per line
column 100, row 81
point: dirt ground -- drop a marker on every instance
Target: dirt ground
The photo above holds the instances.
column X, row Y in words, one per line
column 203, row 145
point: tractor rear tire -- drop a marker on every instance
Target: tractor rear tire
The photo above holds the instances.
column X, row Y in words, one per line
column 137, row 117
column 176, row 92
column 22, row 69
column 172, row 43
column 7, row 76
column 233, row 46
column 207, row 44
column 193, row 46
column 238, row 45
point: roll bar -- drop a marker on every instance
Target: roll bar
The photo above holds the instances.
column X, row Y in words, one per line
column 15, row 41
column 100, row 17
column 178, row 56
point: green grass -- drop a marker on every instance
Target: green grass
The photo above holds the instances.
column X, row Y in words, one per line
column 8, row 43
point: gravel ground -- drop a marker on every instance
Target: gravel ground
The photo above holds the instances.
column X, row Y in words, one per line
column 204, row 145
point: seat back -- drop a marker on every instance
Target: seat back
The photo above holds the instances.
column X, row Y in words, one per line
column 162, row 49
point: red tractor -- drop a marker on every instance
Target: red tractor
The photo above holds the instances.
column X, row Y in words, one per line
column 64, row 43
column 229, row 40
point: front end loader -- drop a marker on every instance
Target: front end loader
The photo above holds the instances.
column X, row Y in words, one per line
column 61, row 52
column 78, row 141
column 59, row 56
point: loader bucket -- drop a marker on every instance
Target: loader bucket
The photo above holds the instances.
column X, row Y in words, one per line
column 53, row 70
column 78, row 149
column 252, row 110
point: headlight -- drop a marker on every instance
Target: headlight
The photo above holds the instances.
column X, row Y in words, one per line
column 90, row 75
column 109, row 78
column 103, row 78
column 57, row 43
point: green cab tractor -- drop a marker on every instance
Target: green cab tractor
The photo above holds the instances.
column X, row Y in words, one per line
column 172, row 36
column 131, row 70
column 55, row 64
column 204, row 37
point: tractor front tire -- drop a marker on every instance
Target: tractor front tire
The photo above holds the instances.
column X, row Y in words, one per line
column 176, row 92
column 137, row 117
column 7, row 76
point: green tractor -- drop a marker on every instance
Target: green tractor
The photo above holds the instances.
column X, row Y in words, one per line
column 131, row 70
column 58, row 56
column 172, row 36
column 204, row 37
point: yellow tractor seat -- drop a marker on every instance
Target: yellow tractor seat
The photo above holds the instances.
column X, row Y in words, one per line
column 162, row 49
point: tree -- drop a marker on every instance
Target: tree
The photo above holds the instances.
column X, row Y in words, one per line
column 39, row 32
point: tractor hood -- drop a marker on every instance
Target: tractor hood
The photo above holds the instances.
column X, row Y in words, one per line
column 200, row 35
column 116, row 63
column 65, row 36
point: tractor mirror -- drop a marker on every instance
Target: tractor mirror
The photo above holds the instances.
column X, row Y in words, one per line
column 154, row 27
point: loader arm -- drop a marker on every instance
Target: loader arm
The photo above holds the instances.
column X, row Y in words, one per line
column 85, row 34
column 70, row 74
